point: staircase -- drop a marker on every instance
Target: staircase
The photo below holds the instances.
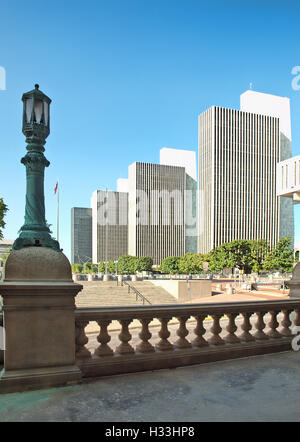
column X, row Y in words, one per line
column 155, row 294
column 98, row 293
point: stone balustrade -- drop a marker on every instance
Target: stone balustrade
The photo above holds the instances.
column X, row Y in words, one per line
column 204, row 333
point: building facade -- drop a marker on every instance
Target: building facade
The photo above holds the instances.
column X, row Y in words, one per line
column 81, row 235
column 186, row 159
column 109, row 225
column 156, row 211
column 238, row 155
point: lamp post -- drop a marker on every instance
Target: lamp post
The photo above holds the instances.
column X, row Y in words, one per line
column 36, row 128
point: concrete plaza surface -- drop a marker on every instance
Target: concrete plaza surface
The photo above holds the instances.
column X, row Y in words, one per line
column 261, row 388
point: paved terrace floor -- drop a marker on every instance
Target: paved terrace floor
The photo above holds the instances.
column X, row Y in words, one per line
column 261, row 388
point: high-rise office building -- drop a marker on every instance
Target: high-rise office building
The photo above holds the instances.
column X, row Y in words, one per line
column 109, row 225
column 186, row 159
column 81, row 235
column 238, row 155
column 273, row 105
column 156, row 211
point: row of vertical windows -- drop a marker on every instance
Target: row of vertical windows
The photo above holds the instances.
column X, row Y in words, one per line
column 244, row 150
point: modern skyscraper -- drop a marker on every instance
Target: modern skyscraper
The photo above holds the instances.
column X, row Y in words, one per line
column 186, row 159
column 273, row 105
column 81, row 235
column 156, row 210
column 109, row 225
column 238, row 155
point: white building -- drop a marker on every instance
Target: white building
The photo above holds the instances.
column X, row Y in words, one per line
column 238, row 155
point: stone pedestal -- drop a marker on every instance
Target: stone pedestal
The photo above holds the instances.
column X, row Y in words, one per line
column 106, row 277
column 294, row 283
column 39, row 320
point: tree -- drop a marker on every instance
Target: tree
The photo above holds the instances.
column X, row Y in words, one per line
column 144, row 264
column 281, row 258
column 3, row 210
column 191, row 263
column 127, row 264
column 111, row 266
column 76, row 268
column 258, row 251
column 4, row 256
column 88, row 267
column 101, row 267
column 247, row 255
column 170, row 265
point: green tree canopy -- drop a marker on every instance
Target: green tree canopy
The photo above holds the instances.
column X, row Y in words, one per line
column 246, row 255
column 111, row 266
column 76, row 268
column 170, row 265
column 3, row 210
column 144, row 264
column 101, row 267
column 281, row 258
column 88, row 267
column 127, row 264
column 191, row 263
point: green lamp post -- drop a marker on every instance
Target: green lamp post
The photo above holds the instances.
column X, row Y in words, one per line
column 36, row 128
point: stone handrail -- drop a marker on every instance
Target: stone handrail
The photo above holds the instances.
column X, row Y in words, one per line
column 232, row 330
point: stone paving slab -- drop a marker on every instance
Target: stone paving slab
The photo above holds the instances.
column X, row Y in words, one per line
column 261, row 388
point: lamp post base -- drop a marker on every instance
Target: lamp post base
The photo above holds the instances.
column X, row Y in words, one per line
column 36, row 238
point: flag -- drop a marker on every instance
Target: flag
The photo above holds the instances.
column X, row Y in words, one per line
column 55, row 188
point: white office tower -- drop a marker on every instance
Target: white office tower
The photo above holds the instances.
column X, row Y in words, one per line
column 109, row 225
column 122, row 185
column 238, row 155
column 186, row 159
column 267, row 104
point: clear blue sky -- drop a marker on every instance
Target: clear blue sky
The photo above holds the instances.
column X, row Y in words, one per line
column 128, row 77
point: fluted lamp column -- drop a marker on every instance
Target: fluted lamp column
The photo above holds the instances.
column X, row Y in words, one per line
column 36, row 128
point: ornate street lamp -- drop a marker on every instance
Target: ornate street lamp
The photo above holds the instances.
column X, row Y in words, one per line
column 36, row 128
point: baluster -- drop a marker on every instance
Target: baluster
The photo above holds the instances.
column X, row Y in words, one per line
column 125, row 337
column 216, row 330
column 164, row 333
column 81, row 339
column 286, row 323
column 273, row 324
column 297, row 317
column 182, row 332
column 260, row 325
column 231, row 328
column 103, row 338
column 145, row 335
column 246, row 326
column 199, row 331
